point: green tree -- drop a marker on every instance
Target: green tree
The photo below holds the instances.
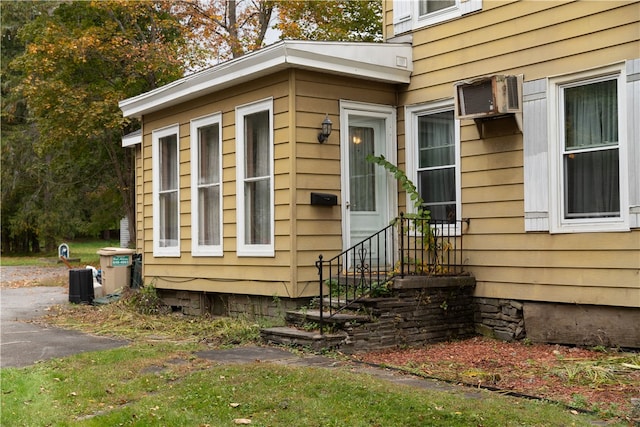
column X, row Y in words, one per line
column 20, row 175
column 80, row 60
column 342, row 20
column 64, row 171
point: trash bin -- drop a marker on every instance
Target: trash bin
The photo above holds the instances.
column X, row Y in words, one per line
column 136, row 272
column 81, row 286
column 115, row 264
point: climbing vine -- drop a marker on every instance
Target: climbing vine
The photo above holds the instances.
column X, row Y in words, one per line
column 407, row 185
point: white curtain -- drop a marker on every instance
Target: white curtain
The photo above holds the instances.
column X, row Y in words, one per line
column 209, row 186
column 257, row 186
column 436, row 164
column 168, row 191
column 591, row 163
column 362, row 179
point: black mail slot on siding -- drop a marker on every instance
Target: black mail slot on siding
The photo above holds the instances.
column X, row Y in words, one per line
column 324, row 199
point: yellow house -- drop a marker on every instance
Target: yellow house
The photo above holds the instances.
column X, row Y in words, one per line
column 553, row 194
column 521, row 117
column 228, row 161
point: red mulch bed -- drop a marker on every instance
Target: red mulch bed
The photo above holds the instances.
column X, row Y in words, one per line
column 600, row 381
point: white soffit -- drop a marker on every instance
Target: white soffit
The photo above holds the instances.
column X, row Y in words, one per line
column 384, row 62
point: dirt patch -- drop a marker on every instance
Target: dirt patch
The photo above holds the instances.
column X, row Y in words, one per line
column 603, row 381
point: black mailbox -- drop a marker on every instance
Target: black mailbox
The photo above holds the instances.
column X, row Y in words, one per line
column 324, row 199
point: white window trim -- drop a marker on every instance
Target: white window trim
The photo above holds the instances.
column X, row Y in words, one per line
column 411, row 149
column 242, row 248
column 558, row 224
column 158, row 251
column 460, row 8
column 406, row 14
column 441, row 15
column 196, row 124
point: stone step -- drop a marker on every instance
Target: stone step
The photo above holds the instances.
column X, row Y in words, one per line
column 301, row 316
column 285, row 335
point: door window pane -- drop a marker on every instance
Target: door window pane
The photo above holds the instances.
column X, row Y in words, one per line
column 362, row 182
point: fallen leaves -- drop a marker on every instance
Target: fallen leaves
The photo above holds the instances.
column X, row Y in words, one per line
column 599, row 380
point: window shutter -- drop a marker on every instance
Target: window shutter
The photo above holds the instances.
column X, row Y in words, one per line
column 468, row 6
column 633, row 139
column 402, row 10
column 536, row 157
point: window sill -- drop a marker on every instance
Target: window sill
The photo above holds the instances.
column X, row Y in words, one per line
column 610, row 227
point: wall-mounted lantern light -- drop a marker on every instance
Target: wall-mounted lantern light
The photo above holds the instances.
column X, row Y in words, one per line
column 326, row 130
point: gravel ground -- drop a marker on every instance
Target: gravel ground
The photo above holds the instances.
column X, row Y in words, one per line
column 14, row 274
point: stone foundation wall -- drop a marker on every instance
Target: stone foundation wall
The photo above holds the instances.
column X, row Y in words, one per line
column 249, row 306
column 558, row 323
column 499, row 318
column 254, row 306
column 191, row 303
column 420, row 310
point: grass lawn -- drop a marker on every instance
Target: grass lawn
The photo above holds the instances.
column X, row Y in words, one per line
column 158, row 381
column 84, row 249
column 163, row 384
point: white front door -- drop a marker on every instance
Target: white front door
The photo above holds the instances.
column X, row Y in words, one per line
column 367, row 189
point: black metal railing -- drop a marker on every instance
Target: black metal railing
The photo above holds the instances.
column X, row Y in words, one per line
column 408, row 246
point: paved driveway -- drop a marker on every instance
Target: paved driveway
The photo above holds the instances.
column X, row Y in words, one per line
column 23, row 343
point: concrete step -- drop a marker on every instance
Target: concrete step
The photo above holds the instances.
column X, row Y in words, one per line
column 285, row 335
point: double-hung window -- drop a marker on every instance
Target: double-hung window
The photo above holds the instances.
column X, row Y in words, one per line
column 581, row 151
column 166, row 192
column 433, row 150
column 590, row 150
column 588, row 153
column 254, row 150
column 206, row 194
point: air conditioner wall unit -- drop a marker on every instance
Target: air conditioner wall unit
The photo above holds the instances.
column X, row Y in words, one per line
column 487, row 97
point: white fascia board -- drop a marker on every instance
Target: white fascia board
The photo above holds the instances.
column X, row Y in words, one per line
column 372, row 61
column 384, row 62
column 133, row 138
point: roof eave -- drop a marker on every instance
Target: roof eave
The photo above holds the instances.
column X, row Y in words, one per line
column 370, row 61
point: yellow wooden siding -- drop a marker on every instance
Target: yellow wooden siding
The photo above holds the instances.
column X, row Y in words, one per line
column 318, row 165
column 249, row 268
column 572, row 294
column 536, row 39
column 316, row 168
column 248, row 287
